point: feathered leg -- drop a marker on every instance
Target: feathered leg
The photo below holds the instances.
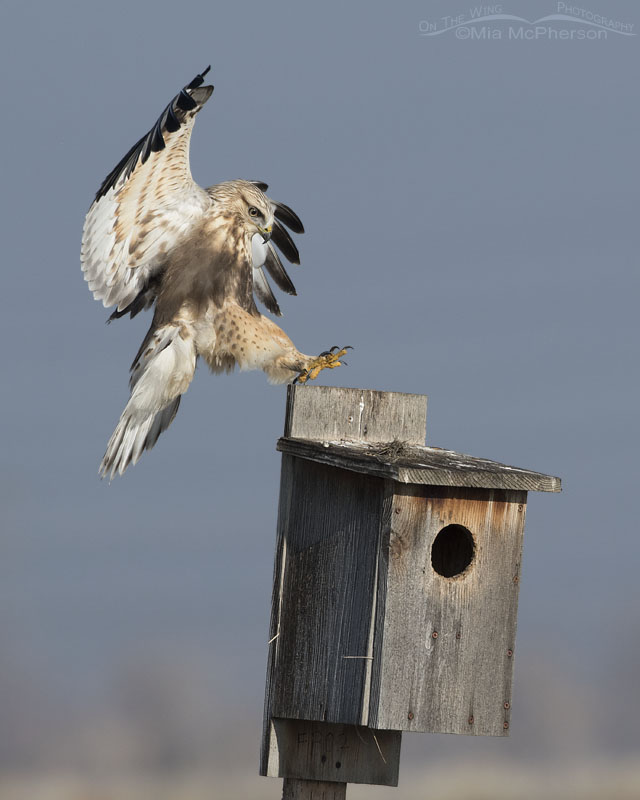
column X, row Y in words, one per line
column 256, row 342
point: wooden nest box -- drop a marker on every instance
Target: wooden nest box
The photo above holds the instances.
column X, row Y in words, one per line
column 395, row 588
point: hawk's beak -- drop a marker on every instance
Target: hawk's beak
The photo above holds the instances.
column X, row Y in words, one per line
column 266, row 233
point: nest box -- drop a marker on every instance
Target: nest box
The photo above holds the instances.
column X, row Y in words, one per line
column 396, row 580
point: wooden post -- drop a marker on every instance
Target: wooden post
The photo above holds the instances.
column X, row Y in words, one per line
column 313, row 790
column 395, row 590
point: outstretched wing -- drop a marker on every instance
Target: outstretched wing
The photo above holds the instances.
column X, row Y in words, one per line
column 144, row 206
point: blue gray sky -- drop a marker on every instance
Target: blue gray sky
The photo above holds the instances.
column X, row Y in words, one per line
column 471, row 212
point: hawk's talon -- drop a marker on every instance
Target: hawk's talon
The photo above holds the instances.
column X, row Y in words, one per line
column 328, row 359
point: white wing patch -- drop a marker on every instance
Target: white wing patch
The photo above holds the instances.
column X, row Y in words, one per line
column 261, row 287
column 259, row 250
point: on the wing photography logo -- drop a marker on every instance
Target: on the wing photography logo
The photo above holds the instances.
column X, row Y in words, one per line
column 567, row 22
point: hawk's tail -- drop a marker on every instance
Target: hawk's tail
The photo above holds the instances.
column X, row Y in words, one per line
column 160, row 375
column 132, row 436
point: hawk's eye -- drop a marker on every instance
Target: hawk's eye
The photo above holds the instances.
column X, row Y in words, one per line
column 253, row 211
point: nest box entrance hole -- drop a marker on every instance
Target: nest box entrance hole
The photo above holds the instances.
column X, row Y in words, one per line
column 452, row 551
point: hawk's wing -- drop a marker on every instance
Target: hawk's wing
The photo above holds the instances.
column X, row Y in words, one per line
column 265, row 255
column 145, row 205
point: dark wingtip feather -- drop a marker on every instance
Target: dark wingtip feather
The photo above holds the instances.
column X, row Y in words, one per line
column 132, row 309
column 289, row 217
column 260, row 185
column 145, row 298
column 280, row 236
column 264, row 293
column 153, row 141
column 199, row 79
column 274, row 267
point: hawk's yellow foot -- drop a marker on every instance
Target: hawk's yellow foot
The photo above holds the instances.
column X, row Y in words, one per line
column 329, row 359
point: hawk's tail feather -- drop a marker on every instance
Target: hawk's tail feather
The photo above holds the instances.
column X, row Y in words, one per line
column 160, row 374
column 132, row 436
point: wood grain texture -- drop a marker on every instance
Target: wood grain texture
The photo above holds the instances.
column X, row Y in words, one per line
column 419, row 465
column 444, row 646
column 327, row 752
column 294, row 789
column 286, row 486
column 328, row 592
column 323, row 611
column 330, row 412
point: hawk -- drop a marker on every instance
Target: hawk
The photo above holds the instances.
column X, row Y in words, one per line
column 154, row 237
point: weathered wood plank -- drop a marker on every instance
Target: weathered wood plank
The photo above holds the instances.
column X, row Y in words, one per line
column 448, row 642
column 295, row 789
column 325, row 751
column 414, row 464
column 284, row 506
column 328, row 592
column 331, row 412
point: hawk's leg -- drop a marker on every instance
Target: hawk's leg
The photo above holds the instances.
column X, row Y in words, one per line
column 253, row 341
column 329, row 359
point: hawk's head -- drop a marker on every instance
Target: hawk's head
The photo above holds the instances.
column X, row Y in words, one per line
column 251, row 207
